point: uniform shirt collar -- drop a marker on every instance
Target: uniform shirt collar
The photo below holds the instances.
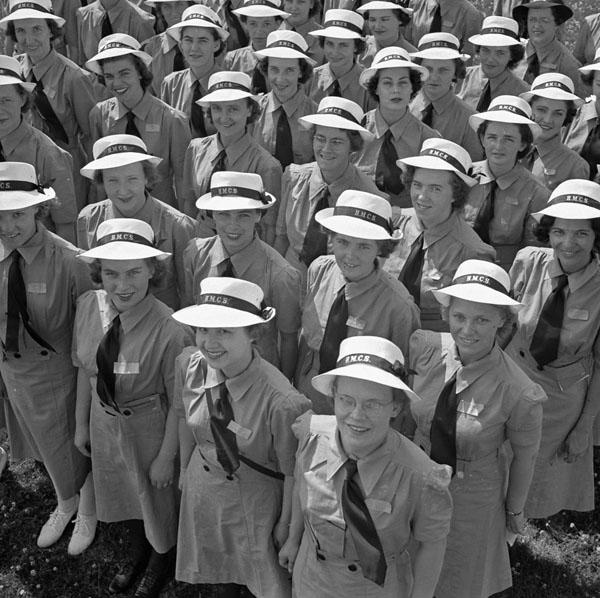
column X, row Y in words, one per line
column 140, row 110
column 433, row 235
column 550, row 53
column 545, row 148
column 238, row 149
column 506, row 180
column 29, row 250
column 466, row 375
column 41, row 68
column 397, row 128
column 317, row 184
column 132, row 317
column 290, row 106
column 16, row 137
column 444, row 103
column 242, row 260
column 355, row 289
column 577, row 279
column 239, row 385
column 499, row 80
column 167, row 43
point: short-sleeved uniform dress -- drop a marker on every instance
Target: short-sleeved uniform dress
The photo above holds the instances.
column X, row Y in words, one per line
column 258, row 263
column 405, row 493
column 496, row 402
column 556, row 484
column 41, row 384
column 447, row 246
column 517, row 196
column 225, row 525
column 172, row 232
column 378, row 305
column 124, row 443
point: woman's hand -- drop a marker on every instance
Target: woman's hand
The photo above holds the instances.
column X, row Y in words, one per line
column 161, row 472
column 82, row 439
column 288, row 554
column 515, row 522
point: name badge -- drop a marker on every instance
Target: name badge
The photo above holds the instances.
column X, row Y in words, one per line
column 381, row 506
column 36, row 288
column 549, row 65
column 152, row 128
column 239, row 430
column 549, row 171
column 513, row 201
column 126, row 367
column 355, row 323
column 471, row 408
column 578, row 314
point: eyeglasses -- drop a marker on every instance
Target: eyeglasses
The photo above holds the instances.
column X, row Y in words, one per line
column 370, row 407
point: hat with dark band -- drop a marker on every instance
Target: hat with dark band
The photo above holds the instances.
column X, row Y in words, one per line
column 30, row 9
column 227, row 86
column 284, row 43
column 507, row 109
column 497, row 32
column 386, row 5
column 439, row 46
column 575, row 199
column 115, row 46
column 10, row 73
column 198, row 15
column 520, row 11
column 341, row 24
column 391, row 57
column 337, row 113
column 553, row 86
column 235, row 191
column 19, row 187
column 261, row 8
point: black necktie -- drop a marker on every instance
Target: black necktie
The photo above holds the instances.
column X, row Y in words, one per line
column 544, row 344
column 131, row 128
column 486, row 214
column 335, row 332
column 16, row 309
column 427, row 115
column 485, row 98
column 196, row 112
column 315, row 240
column 258, row 83
column 283, row 140
column 443, row 426
column 436, row 21
column 221, row 414
column 361, row 527
column 219, row 163
column 106, row 356
column 411, row 272
column 2, row 156
column 55, row 129
column 335, row 89
column 178, row 60
column 533, row 68
column 234, row 24
column 590, row 151
column 387, row 174
column 106, row 27
column 227, row 268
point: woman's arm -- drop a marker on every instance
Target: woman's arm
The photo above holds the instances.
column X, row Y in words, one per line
column 82, row 413
column 289, row 550
column 186, row 446
column 162, row 468
column 427, row 567
column 281, row 530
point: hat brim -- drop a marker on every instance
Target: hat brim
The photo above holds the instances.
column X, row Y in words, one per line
column 519, row 13
column 495, row 40
column 224, row 95
column 353, row 227
column 568, row 211
column 115, row 160
column 175, row 30
column 383, row 5
column 93, row 64
column 333, row 121
column 552, row 93
column 501, row 116
column 336, row 33
column 434, row 163
column 122, row 250
column 229, row 203
column 440, row 54
column 284, row 53
column 260, row 11
column 17, row 200
column 589, row 68
column 360, row 371
column 8, row 80
column 30, row 13
column 477, row 293
column 368, row 74
column 219, row 316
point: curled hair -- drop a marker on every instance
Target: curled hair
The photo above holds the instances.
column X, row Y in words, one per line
column 384, row 247
column 460, row 70
column 516, row 51
column 214, row 33
column 306, row 69
column 142, row 70
column 360, row 45
column 571, row 110
column 159, row 266
column 27, row 96
column 278, row 19
column 524, row 130
column 356, row 141
column 252, row 118
column 415, row 81
column 55, row 30
column 460, row 189
column 542, row 230
column 403, row 18
column 149, row 172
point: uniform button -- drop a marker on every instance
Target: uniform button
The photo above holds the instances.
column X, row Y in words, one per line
column 206, row 468
column 44, row 352
column 522, row 353
column 352, row 567
column 127, row 412
column 229, row 477
column 17, row 355
column 321, row 556
column 540, row 367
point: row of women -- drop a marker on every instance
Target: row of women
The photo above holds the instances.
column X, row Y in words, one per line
column 382, row 355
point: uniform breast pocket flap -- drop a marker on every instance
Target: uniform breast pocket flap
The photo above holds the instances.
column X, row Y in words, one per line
column 379, row 506
column 36, row 288
column 469, row 407
column 238, row 430
column 152, row 128
column 126, row 367
column 578, row 314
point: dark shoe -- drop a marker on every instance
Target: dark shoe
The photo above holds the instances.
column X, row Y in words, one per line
column 152, row 582
column 123, row 580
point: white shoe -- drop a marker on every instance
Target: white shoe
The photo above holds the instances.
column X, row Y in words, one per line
column 3, row 459
column 83, row 534
column 54, row 528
